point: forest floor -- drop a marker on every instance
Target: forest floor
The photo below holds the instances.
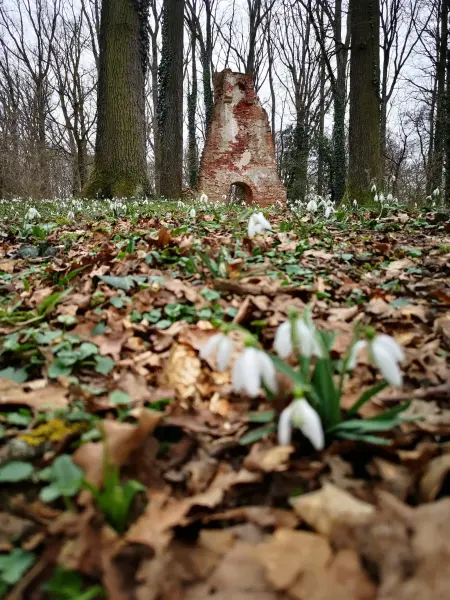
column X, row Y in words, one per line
column 102, row 318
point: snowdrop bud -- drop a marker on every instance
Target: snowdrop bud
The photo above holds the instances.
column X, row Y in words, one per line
column 304, row 336
column 257, row 224
column 355, row 204
column 311, row 206
column 385, row 353
column 252, row 369
column 221, row 347
column 301, row 415
column 32, row 214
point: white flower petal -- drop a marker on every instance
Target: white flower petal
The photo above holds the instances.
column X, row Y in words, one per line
column 309, row 422
column 251, row 227
column 285, row 426
column 283, row 340
column 308, row 344
column 250, row 372
column 267, row 371
column 387, row 364
column 211, row 346
column 237, row 376
column 224, row 349
column 390, row 345
column 354, row 352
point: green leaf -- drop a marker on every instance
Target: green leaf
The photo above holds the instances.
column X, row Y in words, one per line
column 285, row 369
column 17, row 375
column 163, row 324
column 104, row 364
column 49, row 494
column 21, row 418
column 257, row 434
column 58, row 369
column 100, row 328
column 16, row 471
column 121, row 283
column 65, row 476
column 266, row 416
column 117, row 302
column 14, row 565
column 49, row 303
column 359, row 437
column 323, row 383
column 366, row 396
column 86, row 350
column 119, row 397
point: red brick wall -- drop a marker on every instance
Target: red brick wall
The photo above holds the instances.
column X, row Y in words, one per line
column 239, row 146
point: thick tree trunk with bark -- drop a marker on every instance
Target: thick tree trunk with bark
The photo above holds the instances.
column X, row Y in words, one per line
column 192, row 127
column 447, row 136
column 120, row 163
column 170, row 100
column 437, row 163
column 364, row 132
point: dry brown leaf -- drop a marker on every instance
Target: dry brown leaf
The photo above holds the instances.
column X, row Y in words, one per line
column 182, row 371
column 122, row 439
column 434, row 477
column 43, row 398
column 398, row 267
column 329, row 506
column 268, row 459
column 289, row 555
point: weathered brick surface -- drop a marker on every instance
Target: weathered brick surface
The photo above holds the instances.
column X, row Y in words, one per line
column 239, row 146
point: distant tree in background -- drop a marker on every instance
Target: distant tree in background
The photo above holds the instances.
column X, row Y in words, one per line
column 170, row 101
column 364, row 126
column 120, row 158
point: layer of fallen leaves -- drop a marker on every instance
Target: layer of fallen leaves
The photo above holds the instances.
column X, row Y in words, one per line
column 220, row 519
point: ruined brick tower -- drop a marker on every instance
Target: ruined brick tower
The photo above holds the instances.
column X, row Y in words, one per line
column 238, row 160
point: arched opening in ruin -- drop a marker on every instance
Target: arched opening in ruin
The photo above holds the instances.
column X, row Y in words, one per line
column 239, row 192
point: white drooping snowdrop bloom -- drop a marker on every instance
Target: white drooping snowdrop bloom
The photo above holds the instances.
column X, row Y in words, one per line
column 385, row 353
column 220, row 346
column 373, row 189
column 355, row 203
column 257, row 224
column 203, row 198
column 32, row 214
column 376, row 198
column 252, row 369
column 303, row 339
column 71, row 215
column 192, row 213
column 180, row 203
column 381, row 198
column 390, row 197
column 329, row 210
column 436, row 192
column 301, row 415
column 312, row 206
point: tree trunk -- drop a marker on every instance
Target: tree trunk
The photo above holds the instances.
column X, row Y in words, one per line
column 170, row 100
column 298, row 187
column 120, row 164
column 439, row 132
column 192, row 109
column 447, row 131
column 364, row 128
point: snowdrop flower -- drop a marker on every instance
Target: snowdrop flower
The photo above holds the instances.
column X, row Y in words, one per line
column 311, row 206
column 32, row 214
column 192, row 213
column 301, row 415
column 304, row 335
column 253, row 368
column 376, row 198
column 203, row 198
column 328, row 210
column 355, row 203
column 436, row 192
column 71, row 215
column 428, row 198
column 393, row 178
column 221, row 346
column 390, row 197
column 257, row 224
column 385, row 353
column 381, row 198
column 180, row 204
column 373, row 189
column 168, row 215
